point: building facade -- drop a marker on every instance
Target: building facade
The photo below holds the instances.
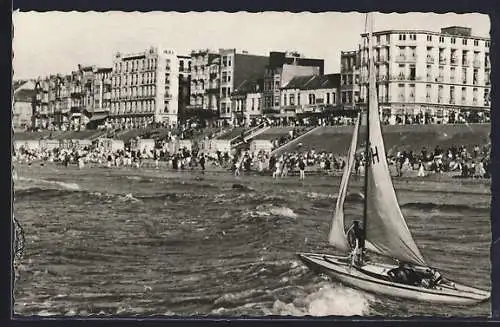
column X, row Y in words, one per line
column 184, row 86
column 429, row 74
column 205, row 81
column 304, row 95
column 23, row 105
column 278, row 65
column 349, row 78
column 144, row 88
column 235, row 68
column 247, row 101
column 70, row 102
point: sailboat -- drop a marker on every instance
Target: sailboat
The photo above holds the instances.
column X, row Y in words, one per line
column 384, row 231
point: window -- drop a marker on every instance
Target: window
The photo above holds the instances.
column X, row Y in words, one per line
column 298, row 99
column 429, row 72
column 412, row 72
column 276, row 101
column 401, row 92
column 464, row 75
column 413, row 37
column 476, row 43
column 464, row 41
column 452, row 94
column 452, row 74
column 284, row 99
column 464, row 93
column 412, row 92
column 453, row 40
column 292, row 99
column 441, row 39
column 402, row 37
column 428, row 90
column 328, row 98
column 312, row 99
column 429, row 38
column 487, row 44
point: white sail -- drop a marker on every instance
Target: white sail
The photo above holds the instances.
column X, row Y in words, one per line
column 386, row 227
column 338, row 237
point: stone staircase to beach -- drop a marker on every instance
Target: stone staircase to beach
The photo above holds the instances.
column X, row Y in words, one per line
column 295, row 140
column 248, row 135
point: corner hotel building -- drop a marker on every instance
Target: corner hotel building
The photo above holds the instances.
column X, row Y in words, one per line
column 424, row 72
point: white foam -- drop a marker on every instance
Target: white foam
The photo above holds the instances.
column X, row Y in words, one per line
column 328, row 300
column 283, row 211
column 64, row 185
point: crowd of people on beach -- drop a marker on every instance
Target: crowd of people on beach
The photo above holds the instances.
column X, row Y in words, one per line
column 457, row 160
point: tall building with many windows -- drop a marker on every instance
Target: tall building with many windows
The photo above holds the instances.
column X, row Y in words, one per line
column 215, row 75
column 349, row 78
column 184, row 86
column 236, row 67
column 205, row 83
column 145, row 88
column 429, row 74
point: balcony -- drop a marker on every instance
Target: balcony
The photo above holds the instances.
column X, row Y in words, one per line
column 487, row 64
column 452, row 79
column 474, row 101
column 442, row 61
column 487, row 103
column 454, row 62
column 381, row 59
column 477, row 63
column 401, row 58
column 465, row 63
column 452, row 101
column 430, row 60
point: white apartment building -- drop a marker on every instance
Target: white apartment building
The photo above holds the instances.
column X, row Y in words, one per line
column 145, row 88
column 424, row 72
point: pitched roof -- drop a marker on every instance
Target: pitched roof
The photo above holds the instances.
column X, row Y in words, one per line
column 249, row 86
column 313, row 82
column 24, row 95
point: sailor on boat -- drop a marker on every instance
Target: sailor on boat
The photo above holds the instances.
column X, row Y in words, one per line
column 354, row 237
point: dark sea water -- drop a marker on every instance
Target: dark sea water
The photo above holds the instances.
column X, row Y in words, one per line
column 144, row 242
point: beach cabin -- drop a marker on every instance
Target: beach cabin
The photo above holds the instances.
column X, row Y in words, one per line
column 174, row 146
column 142, row 145
column 27, row 144
column 80, row 144
column 261, row 145
column 221, row 145
column 110, row 145
column 49, row 144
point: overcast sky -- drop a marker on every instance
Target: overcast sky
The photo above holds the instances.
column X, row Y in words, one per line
column 55, row 42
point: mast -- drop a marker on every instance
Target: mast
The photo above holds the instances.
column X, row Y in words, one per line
column 367, row 141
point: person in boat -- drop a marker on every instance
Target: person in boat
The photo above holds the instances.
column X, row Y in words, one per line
column 354, row 237
column 431, row 278
column 405, row 274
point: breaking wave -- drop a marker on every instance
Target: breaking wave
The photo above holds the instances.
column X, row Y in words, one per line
column 328, row 300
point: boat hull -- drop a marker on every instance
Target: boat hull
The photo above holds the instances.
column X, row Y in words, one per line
column 369, row 278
